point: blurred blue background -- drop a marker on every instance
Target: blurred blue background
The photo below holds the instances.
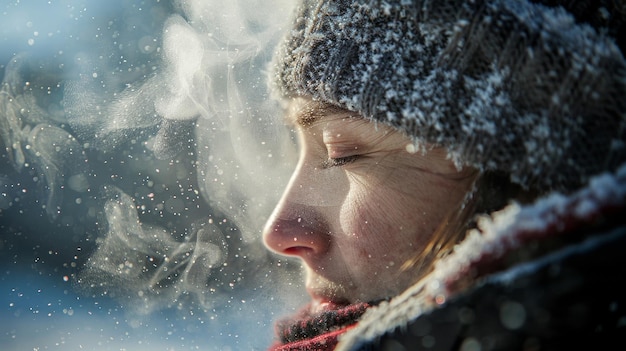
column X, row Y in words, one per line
column 56, row 182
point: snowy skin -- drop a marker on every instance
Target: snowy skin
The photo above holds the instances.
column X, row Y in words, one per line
column 360, row 205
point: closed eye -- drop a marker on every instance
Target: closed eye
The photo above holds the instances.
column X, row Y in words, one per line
column 339, row 161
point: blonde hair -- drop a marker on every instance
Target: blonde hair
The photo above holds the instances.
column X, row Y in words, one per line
column 490, row 191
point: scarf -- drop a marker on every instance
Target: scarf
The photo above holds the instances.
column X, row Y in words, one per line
column 317, row 332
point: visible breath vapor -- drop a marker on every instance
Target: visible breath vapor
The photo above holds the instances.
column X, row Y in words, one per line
column 212, row 76
column 157, row 269
column 30, row 138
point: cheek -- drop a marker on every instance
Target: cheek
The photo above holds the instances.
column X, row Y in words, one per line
column 398, row 217
column 379, row 224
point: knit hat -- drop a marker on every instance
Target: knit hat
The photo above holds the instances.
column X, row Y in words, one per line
column 535, row 89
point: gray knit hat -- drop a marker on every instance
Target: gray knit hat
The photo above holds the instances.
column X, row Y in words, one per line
column 535, row 89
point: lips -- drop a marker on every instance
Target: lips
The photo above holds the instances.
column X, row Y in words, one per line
column 325, row 300
column 318, row 306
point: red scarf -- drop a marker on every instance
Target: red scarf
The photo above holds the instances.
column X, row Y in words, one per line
column 319, row 332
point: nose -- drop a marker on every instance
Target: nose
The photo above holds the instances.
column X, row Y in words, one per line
column 292, row 234
column 297, row 227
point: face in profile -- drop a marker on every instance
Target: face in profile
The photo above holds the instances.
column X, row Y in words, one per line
column 360, row 205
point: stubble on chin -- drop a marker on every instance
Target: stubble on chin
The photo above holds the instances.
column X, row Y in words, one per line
column 319, row 286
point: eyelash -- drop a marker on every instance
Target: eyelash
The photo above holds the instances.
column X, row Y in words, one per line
column 339, row 161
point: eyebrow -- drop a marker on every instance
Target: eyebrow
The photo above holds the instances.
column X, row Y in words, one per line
column 306, row 114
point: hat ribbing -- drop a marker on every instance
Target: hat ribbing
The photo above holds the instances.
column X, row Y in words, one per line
column 508, row 85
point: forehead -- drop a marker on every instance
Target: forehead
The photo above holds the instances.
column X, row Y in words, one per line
column 303, row 113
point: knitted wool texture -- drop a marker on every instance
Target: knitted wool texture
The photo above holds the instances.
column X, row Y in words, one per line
column 534, row 90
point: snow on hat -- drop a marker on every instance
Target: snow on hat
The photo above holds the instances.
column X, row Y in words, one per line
column 534, row 90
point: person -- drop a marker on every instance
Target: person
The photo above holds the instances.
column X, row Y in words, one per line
column 462, row 174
